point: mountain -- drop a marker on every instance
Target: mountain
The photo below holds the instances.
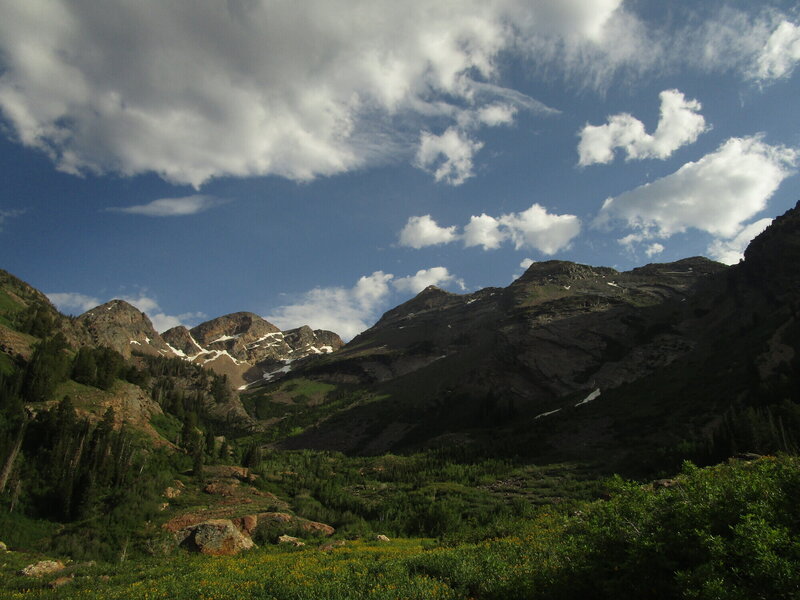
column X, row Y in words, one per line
column 572, row 361
column 124, row 328
column 244, row 347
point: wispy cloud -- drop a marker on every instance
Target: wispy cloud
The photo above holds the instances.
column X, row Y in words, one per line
column 72, row 303
column 172, row 207
column 9, row 214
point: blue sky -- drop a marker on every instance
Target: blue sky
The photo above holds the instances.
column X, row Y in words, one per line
column 322, row 161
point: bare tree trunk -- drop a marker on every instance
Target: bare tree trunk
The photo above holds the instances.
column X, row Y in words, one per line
column 11, row 458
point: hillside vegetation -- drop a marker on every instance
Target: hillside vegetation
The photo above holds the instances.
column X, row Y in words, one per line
column 726, row 532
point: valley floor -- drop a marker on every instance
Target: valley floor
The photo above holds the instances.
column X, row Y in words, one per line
column 726, row 532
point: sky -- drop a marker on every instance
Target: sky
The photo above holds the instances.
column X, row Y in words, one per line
column 319, row 162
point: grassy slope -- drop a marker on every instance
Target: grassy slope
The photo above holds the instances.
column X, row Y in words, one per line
column 728, row 532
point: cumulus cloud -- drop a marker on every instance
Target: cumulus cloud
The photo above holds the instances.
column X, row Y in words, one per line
column 437, row 276
column 716, row 194
column 527, row 262
column 532, row 228
column 536, row 228
column 448, row 156
column 679, row 124
column 347, row 311
column 780, row 54
column 72, row 303
column 484, row 230
column 196, row 89
column 730, row 251
column 172, row 207
column 423, row 231
column 653, row 249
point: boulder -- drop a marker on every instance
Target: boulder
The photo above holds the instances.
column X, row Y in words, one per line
column 246, row 524
column 220, row 489
column 43, row 567
column 172, row 492
column 3, row 547
column 314, row 528
column 287, row 539
column 216, row 537
column 382, row 538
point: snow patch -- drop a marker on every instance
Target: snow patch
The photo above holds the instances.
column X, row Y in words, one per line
column 612, row 284
column 590, row 397
column 135, row 342
column 546, row 414
column 147, row 339
column 225, row 338
column 219, row 353
column 177, row 352
column 287, row 366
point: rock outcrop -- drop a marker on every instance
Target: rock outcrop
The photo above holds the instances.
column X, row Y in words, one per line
column 215, row 537
column 124, row 328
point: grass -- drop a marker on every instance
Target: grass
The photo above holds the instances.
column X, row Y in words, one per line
column 8, row 308
column 6, row 364
column 727, row 532
column 167, row 426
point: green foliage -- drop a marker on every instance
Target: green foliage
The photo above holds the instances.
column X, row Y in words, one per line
column 48, row 367
column 35, row 320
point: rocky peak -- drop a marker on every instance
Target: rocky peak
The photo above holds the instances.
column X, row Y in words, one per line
column 182, row 342
column 305, row 340
column 243, row 335
column 430, row 299
column 562, row 272
column 124, row 328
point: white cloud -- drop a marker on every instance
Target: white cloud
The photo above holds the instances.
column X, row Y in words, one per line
column 653, row 249
column 484, row 230
column 71, row 303
column 536, row 228
column 423, row 231
column 437, row 276
column 172, row 207
column 196, row 89
column 526, row 263
column 531, row 228
column 780, row 53
column 347, row 311
column 732, row 250
column 716, row 194
column 497, row 114
column 8, row 214
column 161, row 321
column 679, row 124
column 447, row 156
